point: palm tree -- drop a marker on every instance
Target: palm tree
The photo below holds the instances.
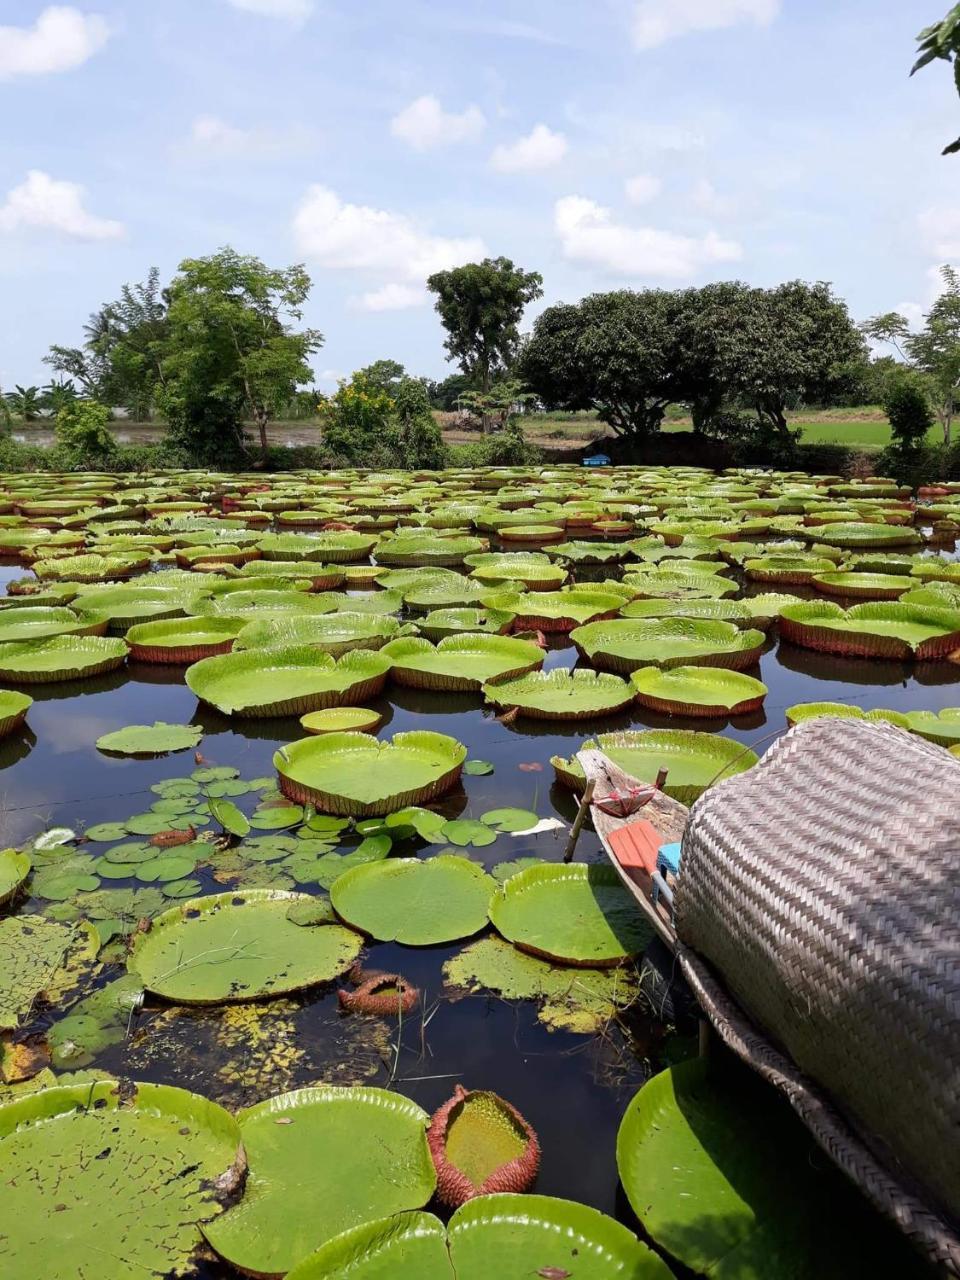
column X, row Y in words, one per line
column 58, row 394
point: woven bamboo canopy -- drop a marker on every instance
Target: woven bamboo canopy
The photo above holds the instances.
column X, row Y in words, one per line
column 818, row 916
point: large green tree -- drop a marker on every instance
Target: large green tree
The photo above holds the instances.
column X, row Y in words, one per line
column 481, row 305
column 617, row 353
column 120, row 361
column 231, row 351
column 933, row 351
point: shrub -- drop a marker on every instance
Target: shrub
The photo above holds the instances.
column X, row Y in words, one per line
column 419, row 444
column 908, row 409
column 83, row 434
column 357, row 421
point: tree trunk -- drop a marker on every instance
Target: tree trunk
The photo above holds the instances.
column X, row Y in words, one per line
column 262, row 420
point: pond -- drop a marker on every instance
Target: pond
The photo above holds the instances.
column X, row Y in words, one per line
column 572, row 1088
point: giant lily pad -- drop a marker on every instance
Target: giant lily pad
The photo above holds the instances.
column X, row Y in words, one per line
column 13, row 710
column 14, row 869
column 864, row 586
column 334, row 633
column 860, row 536
column 354, row 775
column 693, row 760
column 557, row 610
column 698, row 691
column 40, row 957
column 657, row 583
column 39, row 623
column 183, row 640
column 238, row 946
column 624, row 644
column 571, row 999
column 562, row 695
column 696, row 1153
column 150, row 739
column 460, row 663
column 896, row 631
column 375, row 1162
column 575, row 914
column 531, row 568
column 440, row 623
column 506, row 1236
column 286, row 681
column 60, row 658
column 426, row 549
column 417, row 903
column 129, row 1172
column 787, row 569
column 130, row 603
column 942, row 727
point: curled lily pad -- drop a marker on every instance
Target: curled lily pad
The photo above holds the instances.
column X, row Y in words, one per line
column 562, row 695
column 460, row 663
column 417, row 903
column 237, row 946
column 165, row 1162
column 625, row 644
column 13, row 710
column 574, row 914
column 693, row 760
column 333, row 633
column 288, row 681
column 150, row 740
column 342, row 720
column 895, row 631
column 352, row 774
column 183, row 640
column 60, row 658
column 375, row 1162
column 698, row 691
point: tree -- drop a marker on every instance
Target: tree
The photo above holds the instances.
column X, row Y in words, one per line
column 419, row 443
column 229, row 351
column 358, row 421
column 385, row 374
column 942, row 40
column 120, row 362
column 499, row 404
column 617, row 353
column 24, row 402
column 934, row 351
column 83, row 433
column 907, row 407
column 446, row 395
column 481, row 305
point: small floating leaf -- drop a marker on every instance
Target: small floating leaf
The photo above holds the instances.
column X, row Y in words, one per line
column 155, row 739
column 478, row 768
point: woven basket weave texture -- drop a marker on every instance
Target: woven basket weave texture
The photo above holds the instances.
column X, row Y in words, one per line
column 824, row 887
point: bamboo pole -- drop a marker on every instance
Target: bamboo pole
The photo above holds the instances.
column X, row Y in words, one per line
column 579, row 820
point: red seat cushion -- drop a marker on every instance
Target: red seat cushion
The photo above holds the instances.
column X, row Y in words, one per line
column 636, row 845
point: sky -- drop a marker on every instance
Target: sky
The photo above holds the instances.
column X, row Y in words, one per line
column 604, row 143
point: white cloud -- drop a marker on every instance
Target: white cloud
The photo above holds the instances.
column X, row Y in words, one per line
column 295, row 10
column 708, row 199
column 355, row 237
column 45, row 204
column 657, row 21
column 643, row 188
column 393, row 297
column 212, row 135
column 61, row 38
column 590, row 237
column 940, row 228
column 424, row 124
column 539, row 149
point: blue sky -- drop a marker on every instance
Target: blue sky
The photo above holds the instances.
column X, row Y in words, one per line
column 607, row 143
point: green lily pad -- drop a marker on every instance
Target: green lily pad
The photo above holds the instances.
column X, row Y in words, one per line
column 626, row 644
column 500, row 1235
column 478, row 768
column 580, row 1000
column 504, row 870
column 695, row 1152
column 896, row 631
column 104, row 831
column 230, row 817
column 164, row 1161
column 209, row 773
column 942, row 727
column 417, row 903
column 375, row 1162
column 181, row 889
column 237, row 946
column 570, row 913
column 509, row 819
column 562, row 695
column 460, row 664
column 354, row 774
column 15, row 867
column 698, row 691
column 286, row 681
column 40, row 957
column 464, row 832
column 276, row 817
column 165, row 867
column 94, row 1023
column 150, row 740
column 60, row 658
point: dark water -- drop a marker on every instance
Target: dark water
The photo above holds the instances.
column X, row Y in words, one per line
column 572, row 1089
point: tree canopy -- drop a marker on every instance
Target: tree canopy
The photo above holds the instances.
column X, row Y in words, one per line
column 942, row 40
column 481, row 305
